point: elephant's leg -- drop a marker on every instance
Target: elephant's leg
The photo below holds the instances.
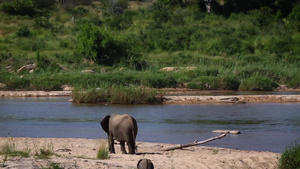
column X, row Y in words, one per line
column 122, row 144
column 111, row 144
column 131, row 146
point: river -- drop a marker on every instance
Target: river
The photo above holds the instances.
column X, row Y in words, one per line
column 264, row 126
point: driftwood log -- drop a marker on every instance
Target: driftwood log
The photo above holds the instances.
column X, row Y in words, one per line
column 195, row 143
column 227, row 131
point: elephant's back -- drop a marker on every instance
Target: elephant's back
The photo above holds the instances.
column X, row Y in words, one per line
column 124, row 122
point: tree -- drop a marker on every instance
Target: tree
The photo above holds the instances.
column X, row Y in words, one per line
column 88, row 41
column 97, row 44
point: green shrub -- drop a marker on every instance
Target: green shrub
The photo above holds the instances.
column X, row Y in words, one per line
column 44, row 3
column 295, row 14
column 78, row 11
column 23, row 32
column 43, row 22
column 119, row 22
column 99, row 45
column 229, row 82
column 161, row 13
column 258, row 83
column 19, row 7
column 110, row 7
column 102, row 153
column 89, row 41
column 290, row 158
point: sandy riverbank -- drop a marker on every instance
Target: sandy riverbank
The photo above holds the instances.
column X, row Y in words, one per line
column 82, row 154
column 181, row 99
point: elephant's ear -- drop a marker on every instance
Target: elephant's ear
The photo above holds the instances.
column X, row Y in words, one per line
column 104, row 123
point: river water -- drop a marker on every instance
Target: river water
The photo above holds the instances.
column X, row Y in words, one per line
column 264, row 126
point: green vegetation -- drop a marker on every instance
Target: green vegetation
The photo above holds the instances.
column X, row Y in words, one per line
column 241, row 45
column 116, row 94
column 45, row 152
column 54, row 166
column 290, row 158
column 9, row 149
column 103, row 152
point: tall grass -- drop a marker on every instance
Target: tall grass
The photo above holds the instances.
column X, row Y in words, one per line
column 116, row 94
column 258, row 83
column 45, row 152
column 103, row 153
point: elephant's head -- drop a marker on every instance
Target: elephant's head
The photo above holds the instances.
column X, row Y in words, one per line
column 105, row 123
column 145, row 164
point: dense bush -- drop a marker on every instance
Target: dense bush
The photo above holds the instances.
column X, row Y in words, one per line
column 111, row 7
column 237, row 6
column 229, row 82
column 44, row 3
column 23, row 32
column 19, row 7
column 97, row 44
column 89, row 41
column 72, row 3
column 295, row 14
column 78, row 11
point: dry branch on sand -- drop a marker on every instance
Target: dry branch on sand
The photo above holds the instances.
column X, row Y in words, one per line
column 195, row 143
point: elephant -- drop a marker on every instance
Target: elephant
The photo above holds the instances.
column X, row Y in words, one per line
column 122, row 128
column 145, row 164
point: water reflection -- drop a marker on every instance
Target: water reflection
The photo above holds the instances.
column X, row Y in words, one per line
column 268, row 127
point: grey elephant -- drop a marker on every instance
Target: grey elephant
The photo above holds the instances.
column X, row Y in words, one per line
column 145, row 164
column 122, row 128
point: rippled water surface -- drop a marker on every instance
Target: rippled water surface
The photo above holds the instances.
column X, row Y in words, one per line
column 264, row 127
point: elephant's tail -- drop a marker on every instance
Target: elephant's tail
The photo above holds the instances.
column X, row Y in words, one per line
column 136, row 148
